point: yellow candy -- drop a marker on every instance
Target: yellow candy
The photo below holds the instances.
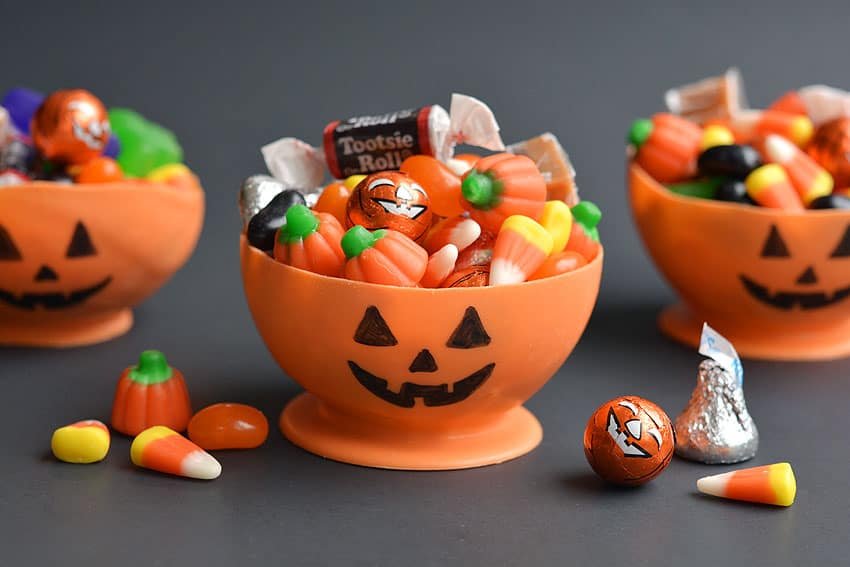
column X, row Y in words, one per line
column 82, row 442
column 716, row 135
column 557, row 219
column 165, row 172
column 352, row 181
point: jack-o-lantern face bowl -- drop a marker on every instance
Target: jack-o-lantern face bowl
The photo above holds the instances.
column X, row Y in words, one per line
column 415, row 378
column 776, row 284
column 75, row 258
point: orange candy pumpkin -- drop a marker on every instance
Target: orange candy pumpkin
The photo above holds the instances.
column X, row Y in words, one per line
column 99, row 170
column 150, row 393
column 310, row 241
column 502, row 185
column 383, row 257
column 667, row 146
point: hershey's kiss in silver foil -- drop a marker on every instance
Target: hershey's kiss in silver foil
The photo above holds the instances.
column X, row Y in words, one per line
column 256, row 192
column 715, row 427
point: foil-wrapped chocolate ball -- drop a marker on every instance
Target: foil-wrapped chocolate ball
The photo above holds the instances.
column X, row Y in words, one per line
column 256, row 192
column 629, row 441
column 389, row 199
column 70, row 127
column 830, row 147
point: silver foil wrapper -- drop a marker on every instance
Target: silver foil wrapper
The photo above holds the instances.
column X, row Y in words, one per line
column 255, row 193
column 715, row 427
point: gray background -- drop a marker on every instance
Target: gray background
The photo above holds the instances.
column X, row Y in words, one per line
column 229, row 79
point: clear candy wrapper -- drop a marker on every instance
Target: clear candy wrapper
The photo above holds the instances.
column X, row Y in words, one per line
column 554, row 164
column 825, row 103
column 716, row 427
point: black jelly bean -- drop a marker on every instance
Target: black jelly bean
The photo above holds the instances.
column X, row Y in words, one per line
column 263, row 226
column 830, row 202
column 735, row 161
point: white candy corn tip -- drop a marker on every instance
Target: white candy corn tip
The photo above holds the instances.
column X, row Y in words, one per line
column 201, row 465
column 447, row 253
column 779, row 149
column 503, row 272
column 458, row 166
column 714, row 485
column 465, row 233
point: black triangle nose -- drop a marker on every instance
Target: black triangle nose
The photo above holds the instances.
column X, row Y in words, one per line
column 46, row 274
column 808, row 277
column 424, row 362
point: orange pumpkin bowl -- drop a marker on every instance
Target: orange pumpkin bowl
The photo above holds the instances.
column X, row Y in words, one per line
column 776, row 284
column 75, row 258
column 412, row 378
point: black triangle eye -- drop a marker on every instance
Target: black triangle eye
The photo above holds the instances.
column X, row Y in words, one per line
column 373, row 330
column 843, row 248
column 470, row 333
column 80, row 243
column 8, row 250
column 774, row 247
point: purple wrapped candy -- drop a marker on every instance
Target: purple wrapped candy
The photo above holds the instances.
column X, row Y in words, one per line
column 113, row 147
column 21, row 103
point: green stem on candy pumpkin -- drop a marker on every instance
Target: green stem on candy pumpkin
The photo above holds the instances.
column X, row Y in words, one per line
column 481, row 190
column 151, row 369
column 358, row 238
column 300, row 223
column 588, row 215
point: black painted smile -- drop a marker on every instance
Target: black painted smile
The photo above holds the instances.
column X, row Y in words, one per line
column 52, row 300
column 787, row 299
column 432, row 394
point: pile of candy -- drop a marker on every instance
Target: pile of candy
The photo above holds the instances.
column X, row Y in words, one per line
column 630, row 440
column 152, row 406
column 405, row 211
column 70, row 137
column 794, row 155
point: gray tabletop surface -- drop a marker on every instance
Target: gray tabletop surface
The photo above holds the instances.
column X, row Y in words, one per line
column 229, row 77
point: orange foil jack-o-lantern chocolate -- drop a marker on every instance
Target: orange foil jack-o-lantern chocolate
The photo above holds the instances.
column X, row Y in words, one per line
column 629, row 441
column 70, row 126
column 389, row 199
column 830, row 147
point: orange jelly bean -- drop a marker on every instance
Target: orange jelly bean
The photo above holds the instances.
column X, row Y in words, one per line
column 99, row 170
column 334, row 200
column 440, row 182
column 228, row 426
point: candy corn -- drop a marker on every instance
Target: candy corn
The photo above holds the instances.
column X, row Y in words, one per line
column 754, row 123
column 557, row 219
column 164, row 450
column 769, row 484
column 558, row 264
column 310, row 241
column 383, row 257
column 82, row 442
column 584, row 236
column 667, row 146
column 440, row 265
column 502, row 185
column 460, row 231
column 808, row 178
column 521, row 247
column 770, row 187
column 333, row 200
column 790, row 103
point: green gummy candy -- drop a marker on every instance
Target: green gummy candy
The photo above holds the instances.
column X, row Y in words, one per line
column 145, row 145
column 640, row 131
column 701, row 188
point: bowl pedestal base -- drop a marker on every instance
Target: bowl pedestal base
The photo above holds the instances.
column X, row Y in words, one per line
column 756, row 341
column 70, row 332
column 312, row 425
